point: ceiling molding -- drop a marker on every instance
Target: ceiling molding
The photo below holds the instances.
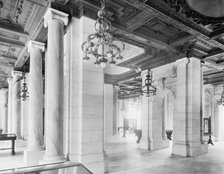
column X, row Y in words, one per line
column 12, row 42
column 13, row 29
column 113, row 79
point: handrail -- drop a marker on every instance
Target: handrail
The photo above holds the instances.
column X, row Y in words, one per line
column 44, row 167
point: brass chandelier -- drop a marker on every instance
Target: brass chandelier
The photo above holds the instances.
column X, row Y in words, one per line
column 102, row 45
column 23, row 94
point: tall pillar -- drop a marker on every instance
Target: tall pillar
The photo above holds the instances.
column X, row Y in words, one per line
column 152, row 113
column 55, row 21
column 5, row 111
column 35, row 122
column 115, row 110
column 86, row 92
column 16, row 104
column 108, row 112
column 145, row 122
column 187, row 113
column 9, row 105
column 216, row 117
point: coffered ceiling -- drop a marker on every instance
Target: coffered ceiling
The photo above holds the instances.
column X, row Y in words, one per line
column 159, row 30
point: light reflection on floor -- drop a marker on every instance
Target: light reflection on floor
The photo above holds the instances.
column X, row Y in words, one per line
column 125, row 157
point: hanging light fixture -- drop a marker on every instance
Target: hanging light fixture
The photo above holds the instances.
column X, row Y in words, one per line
column 148, row 88
column 24, row 94
column 102, row 45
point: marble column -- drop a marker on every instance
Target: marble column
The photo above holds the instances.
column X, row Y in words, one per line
column 86, row 92
column 187, row 113
column 35, row 123
column 5, row 111
column 152, row 113
column 108, row 111
column 55, row 21
column 115, row 110
column 9, row 106
column 145, row 123
column 16, row 104
column 216, row 117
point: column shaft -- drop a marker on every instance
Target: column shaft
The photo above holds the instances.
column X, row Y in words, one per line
column 35, row 123
column 16, row 105
column 55, row 21
column 187, row 115
column 10, row 106
column 5, row 111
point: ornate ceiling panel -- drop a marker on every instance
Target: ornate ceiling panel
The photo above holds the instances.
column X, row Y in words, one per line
column 161, row 30
column 18, row 20
column 168, row 26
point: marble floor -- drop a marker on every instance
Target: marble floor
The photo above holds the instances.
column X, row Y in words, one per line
column 12, row 161
column 124, row 157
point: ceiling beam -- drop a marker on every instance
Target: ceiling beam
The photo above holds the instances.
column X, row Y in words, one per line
column 131, row 85
column 215, row 54
column 182, row 40
column 113, row 79
column 8, row 65
column 152, row 39
column 133, row 61
column 214, row 80
column 8, row 58
column 176, row 20
column 13, row 29
column 217, row 33
column 42, row 3
column 213, row 64
column 139, row 20
column 4, row 76
column 12, row 42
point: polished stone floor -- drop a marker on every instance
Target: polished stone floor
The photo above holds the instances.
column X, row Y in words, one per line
column 124, row 157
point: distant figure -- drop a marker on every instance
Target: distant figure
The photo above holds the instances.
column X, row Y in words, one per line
column 210, row 140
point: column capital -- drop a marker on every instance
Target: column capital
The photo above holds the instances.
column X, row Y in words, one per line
column 9, row 79
column 16, row 73
column 34, row 44
column 55, row 14
column 182, row 61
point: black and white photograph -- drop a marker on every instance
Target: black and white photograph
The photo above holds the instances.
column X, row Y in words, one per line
column 111, row 86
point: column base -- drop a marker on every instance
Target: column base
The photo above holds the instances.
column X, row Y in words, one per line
column 96, row 163
column 154, row 144
column 188, row 150
column 159, row 144
column 33, row 157
column 144, row 144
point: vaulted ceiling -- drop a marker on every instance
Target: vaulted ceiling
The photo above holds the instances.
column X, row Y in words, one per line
column 166, row 30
